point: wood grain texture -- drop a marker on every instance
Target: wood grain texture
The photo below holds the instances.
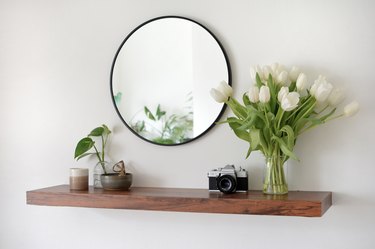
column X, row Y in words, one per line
column 295, row 203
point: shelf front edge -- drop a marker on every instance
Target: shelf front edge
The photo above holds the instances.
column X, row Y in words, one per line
column 147, row 199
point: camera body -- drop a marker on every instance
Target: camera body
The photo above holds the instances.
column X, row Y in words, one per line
column 228, row 180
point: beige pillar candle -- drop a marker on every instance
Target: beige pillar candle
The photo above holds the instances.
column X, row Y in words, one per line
column 79, row 178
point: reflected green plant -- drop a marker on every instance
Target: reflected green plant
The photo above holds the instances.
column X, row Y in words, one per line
column 163, row 129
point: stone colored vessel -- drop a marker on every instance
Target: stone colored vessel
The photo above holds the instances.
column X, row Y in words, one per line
column 114, row 181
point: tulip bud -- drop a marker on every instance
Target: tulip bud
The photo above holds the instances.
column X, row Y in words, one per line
column 253, row 94
column 301, row 82
column 321, row 89
column 323, row 92
column 266, row 72
column 283, row 91
column 218, row 96
column 222, row 92
column 275, row 66
column 294, row 73
column 253, row 72
column 264, row 94
column 225, row 89
column 282, row 78
column 290, row 101
column 351, row 109
column 278, row 68
column 336, row 97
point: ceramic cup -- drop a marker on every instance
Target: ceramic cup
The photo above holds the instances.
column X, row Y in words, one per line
column 79, row 178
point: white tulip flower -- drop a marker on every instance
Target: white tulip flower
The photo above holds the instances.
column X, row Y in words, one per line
column 253, row 73
column 222, row 92
column 282, row 78
column 321, row 89
column 277, row 68
column 336, row 97
column 351, row 109
column 253, row 94
column 317, row 82
column 264, row 94
column 301, row 82
column 290, row 101
column 283, row 91
column 266, row 72
column 225, row 88
column 218, row 96
column 294, row 73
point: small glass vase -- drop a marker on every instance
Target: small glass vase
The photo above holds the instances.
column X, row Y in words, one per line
column 99, row 169
column 274, row 181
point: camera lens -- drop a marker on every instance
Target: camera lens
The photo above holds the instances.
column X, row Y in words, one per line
column 226, row 184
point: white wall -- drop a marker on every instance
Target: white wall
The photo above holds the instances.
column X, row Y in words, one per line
column 55, row 59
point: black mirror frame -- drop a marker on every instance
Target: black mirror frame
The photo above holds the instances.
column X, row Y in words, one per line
column 113, row 65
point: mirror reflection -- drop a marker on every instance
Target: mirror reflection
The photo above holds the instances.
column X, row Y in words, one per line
column 161, row 78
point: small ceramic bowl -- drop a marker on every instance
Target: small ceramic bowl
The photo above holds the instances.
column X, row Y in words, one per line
column 113, row 181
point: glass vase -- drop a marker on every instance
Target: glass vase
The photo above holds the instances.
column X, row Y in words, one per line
column 99, row 169
column 274, row 181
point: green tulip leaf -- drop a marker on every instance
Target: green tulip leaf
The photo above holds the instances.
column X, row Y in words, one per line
column 249, row 151
column 255, row 139
column 292, row 86
column 290, row 136
column 284, row 148
column 259, row 82
column 248, row 122
column 244, row 135
column 328, row 115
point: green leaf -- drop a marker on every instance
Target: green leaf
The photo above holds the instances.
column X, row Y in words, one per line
column 248, row 151
column 242, row 134
column 290, row 136
column 106, row 130
column 273, row 92
column 292, row 87
column 248, row 122
column 239, row 110
column 255, row 139
column 97, row 132
column 83, row 146
column 149, row 114
column 159, row 112
column 306, row 111
column 246, row 99
column 284, row 148
column 300, row 124
column 84, row 155
column 259, row 82
column 328, row 115
column 117, row 98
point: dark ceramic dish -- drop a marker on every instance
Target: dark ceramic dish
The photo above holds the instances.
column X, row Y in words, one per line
column 113, row 181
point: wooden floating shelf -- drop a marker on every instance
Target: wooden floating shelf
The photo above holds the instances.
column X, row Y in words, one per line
column 295, row 203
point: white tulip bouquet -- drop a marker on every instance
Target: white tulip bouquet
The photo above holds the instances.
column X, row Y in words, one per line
column 278, row 107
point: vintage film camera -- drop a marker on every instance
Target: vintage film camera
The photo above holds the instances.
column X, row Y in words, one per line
column 228, row 179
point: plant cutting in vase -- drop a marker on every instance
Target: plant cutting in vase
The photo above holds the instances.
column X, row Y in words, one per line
column 87, row 147
column 279, row 107
column 120, row 180
column 87, row 143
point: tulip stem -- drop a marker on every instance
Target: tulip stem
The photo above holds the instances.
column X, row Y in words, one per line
column 274, row 177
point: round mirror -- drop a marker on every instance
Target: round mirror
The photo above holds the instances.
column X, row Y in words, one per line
column 161, row 77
